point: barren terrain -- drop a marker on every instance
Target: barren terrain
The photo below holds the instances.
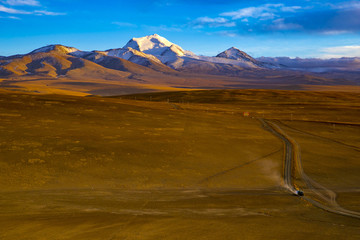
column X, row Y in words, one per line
column 176, row 165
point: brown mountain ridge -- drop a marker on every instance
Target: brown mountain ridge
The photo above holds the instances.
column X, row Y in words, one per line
column 62, row 69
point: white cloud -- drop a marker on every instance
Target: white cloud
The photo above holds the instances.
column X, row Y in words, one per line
column 47, row 13
column 341, row 51
column 11, row 17
column 346, row 5
column 162, row 28
column 227, row 33
column 36, row 12
column 335, row 32
column 279, row 24
column 124, row 24
column 290, row 9
column 22, row 2
column 263, row 12
column 12, row 10
column 212, row 22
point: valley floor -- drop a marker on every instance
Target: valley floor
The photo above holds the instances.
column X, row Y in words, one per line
column 180, row 165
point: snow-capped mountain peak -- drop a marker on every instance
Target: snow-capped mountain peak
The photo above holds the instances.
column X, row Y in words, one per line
column 148, row 43
column 235, row 54
column 131, row 55
column 154, row 45
column 173, row 50
column 161, row 48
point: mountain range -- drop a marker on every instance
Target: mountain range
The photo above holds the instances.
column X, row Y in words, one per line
column 152, row 63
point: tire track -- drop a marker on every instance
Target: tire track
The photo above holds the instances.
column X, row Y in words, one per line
column 318, row 136
column 293, row 164
column 288, row 154
column 237, row 167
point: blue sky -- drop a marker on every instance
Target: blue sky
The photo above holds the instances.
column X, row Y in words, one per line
column 294, row 28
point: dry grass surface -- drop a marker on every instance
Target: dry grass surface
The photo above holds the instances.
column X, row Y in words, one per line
column 194, row 167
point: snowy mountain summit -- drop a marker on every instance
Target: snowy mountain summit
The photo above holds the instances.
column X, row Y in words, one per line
column 154, row 45
column 236, row 54
column 166, row 51
column 153, row 54
column 132, row 55
column 159, row 54
column 175, row 57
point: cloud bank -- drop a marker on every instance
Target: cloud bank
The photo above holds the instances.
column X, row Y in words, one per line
column 22, row 2
column 314, row 18
column 7, row 7
column 341, row 51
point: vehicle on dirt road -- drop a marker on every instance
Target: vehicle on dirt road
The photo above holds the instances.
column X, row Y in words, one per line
column 299, row 193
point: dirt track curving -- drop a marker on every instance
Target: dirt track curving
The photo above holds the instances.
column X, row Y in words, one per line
column 315, row 193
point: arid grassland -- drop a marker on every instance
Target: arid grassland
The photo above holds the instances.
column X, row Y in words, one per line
column 176, row 165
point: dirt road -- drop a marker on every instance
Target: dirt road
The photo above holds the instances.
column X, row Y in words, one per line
column 315, row 193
